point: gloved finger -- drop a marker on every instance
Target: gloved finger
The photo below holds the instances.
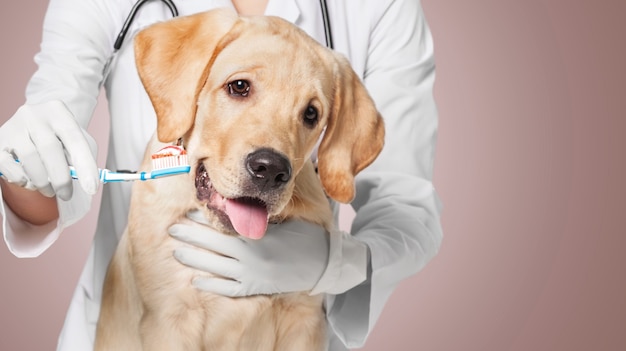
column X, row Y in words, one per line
column 37, row 174
column 52, row 155
column 295, row 227
column 209, row 262
column 11, row 169
column 219, row 286
column 76, row 143
column 93, row 146
column 209, row 239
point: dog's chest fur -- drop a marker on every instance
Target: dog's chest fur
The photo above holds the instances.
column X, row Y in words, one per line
column 213, row 321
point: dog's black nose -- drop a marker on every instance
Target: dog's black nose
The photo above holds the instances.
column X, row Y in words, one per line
column 268, row 168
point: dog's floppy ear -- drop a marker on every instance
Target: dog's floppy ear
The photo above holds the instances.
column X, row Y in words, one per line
column 354, row 134
column 173, row 63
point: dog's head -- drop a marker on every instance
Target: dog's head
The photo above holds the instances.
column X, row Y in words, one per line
column 251, row 97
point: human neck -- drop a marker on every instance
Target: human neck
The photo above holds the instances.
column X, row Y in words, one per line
column 250, row 7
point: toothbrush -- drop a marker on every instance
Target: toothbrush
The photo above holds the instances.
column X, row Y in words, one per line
column 170, row 160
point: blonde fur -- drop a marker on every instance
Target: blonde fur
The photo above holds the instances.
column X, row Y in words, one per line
column 185, row 65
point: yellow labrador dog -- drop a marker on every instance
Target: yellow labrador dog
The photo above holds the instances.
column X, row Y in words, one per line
column 250, row 97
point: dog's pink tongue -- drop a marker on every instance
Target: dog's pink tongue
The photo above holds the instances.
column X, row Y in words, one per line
column 247, row 217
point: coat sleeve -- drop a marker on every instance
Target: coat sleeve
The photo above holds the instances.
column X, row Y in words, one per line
column 77, row 41
column 397, row 208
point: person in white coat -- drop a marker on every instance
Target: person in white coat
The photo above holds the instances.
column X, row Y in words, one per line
column 396, row 229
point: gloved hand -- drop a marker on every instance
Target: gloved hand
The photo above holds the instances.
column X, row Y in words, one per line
column 46, row 139
column 292, row 256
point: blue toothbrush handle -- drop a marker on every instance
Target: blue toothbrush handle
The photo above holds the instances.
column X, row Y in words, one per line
column 107, row 176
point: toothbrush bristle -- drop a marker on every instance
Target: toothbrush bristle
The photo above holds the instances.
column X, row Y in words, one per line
column 169, row 161
column 170, row 156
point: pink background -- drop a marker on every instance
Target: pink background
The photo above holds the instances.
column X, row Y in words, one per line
column 530, row 168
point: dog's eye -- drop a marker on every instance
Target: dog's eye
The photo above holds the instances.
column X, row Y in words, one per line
column 239, row 87
column 310, row 116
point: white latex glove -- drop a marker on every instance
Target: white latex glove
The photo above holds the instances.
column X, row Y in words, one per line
column 46, row 139
column 292, row 256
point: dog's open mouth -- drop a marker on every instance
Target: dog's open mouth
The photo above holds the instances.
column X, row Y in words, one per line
column 246, row 215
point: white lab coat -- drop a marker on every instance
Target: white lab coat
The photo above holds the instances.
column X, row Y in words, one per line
column 389, row 46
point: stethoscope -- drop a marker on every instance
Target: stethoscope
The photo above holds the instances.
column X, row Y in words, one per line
column 174, row 11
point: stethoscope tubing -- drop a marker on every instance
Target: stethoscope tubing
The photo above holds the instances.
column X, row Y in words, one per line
column 170, row 4
column 131, row 16
column 327, row 32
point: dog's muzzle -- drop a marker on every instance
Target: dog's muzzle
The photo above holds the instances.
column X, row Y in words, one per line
column 248, row 216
